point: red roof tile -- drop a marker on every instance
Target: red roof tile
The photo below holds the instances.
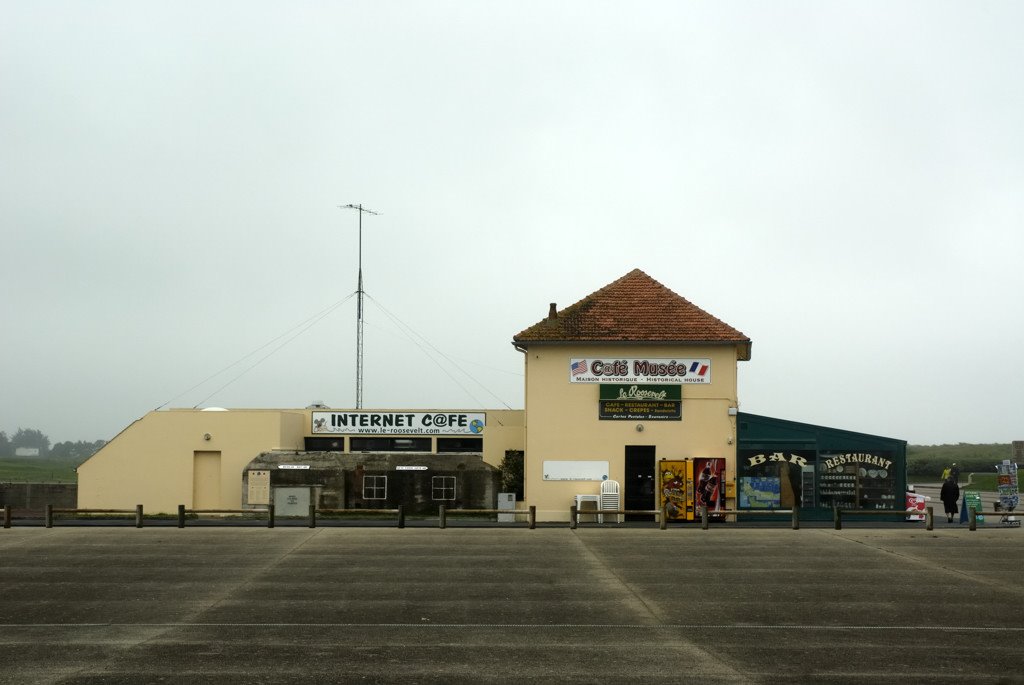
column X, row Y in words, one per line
column 634, row 309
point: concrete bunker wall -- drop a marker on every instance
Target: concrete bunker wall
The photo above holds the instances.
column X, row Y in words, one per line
column 418, row 481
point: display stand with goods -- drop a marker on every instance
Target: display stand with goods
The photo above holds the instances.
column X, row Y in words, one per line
column 1009, row 496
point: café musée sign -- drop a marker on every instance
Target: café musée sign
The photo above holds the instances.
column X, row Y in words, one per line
column 640, row 403
column 672, row 371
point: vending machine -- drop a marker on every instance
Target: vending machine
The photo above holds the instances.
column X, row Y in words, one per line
column 675, row 489
column 686, row 485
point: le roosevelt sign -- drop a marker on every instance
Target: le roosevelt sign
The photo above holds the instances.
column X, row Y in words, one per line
column 640, row 403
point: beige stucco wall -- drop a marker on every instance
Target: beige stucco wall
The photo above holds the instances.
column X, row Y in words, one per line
column 563, row 424
column 151, row 461
column 506, row 430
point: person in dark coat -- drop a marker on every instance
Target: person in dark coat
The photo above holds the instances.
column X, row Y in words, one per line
column 950, row 495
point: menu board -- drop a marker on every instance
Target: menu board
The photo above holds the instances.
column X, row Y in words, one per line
column 972, row 500
column 639, row 410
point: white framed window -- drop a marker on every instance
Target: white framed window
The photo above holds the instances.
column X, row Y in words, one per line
column 442, row 487
column 375, row 487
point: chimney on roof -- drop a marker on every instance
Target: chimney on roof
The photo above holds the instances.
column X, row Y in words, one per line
column 552, row 311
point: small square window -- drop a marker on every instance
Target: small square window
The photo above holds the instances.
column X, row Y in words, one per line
column 443, row 487
column 375, row 487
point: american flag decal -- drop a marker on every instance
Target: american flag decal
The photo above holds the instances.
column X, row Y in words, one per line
column 578, row 367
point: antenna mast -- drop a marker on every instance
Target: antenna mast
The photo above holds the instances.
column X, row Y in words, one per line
column 359, row 306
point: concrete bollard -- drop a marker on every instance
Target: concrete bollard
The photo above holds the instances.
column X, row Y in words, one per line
column 49, row 516
column 972, row 518
column 704, row 518
column 442, row 516
column 664, row 516
column 533, row 517
column 929, row 519
column 401, row 516
column 138, row 516
column 796, row 518
column 270, row 516
column 573, row 518
column 7, row 516
column 837, row 518
column 181, row 516
column 312, row 516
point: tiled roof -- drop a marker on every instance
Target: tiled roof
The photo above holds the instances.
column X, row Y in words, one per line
column 634, row 309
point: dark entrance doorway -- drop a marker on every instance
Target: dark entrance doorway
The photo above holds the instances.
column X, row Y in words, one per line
column 638, row 490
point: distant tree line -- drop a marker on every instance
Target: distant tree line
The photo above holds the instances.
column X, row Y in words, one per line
column 31, row 438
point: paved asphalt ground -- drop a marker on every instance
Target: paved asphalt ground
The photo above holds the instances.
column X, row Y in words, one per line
column 475, row 605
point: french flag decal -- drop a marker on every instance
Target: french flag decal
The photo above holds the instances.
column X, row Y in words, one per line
column 698, row 368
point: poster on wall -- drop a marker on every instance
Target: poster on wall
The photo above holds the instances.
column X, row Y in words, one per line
column 634, row 370
column 760, row 492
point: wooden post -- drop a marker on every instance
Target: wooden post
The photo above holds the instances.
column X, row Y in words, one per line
column 312, row 516
column 796, row 518
column 533, row 516
column 270, row 516
column 7, row 516
column 442, row 516
column 704, row 517
column 573, row 518
column 837, row 518
column 49, row 516
column 664, row 516
column 929, row 519
column 181, row 516
column 972, row 518
column 138, row 516
column 401, row 516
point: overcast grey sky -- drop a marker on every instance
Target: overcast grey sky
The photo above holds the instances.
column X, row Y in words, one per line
column 842, row 181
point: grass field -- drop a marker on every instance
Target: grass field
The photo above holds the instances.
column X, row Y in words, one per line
column 983, row 482
column 35, row 470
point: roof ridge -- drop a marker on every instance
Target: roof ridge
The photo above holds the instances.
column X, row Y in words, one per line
column 633, row 308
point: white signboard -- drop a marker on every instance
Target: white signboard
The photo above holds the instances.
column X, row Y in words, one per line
column 575, row 470
column 399, row 423
column 293, row 466
column 590, row 370
column 410, row 468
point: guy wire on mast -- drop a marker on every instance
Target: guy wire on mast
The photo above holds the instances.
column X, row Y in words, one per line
column 359, row 305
